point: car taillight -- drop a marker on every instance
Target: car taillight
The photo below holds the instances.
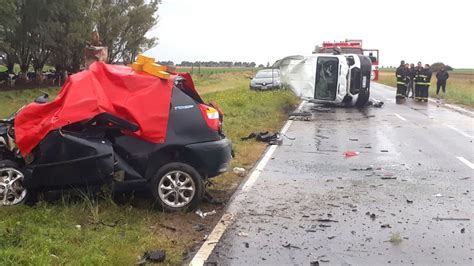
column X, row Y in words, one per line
column 211, row 115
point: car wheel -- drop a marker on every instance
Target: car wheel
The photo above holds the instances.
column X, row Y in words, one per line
column 177, row 187
column 12, row 191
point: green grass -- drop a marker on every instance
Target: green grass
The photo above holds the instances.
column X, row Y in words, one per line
column 459, row 89
column 49, row 233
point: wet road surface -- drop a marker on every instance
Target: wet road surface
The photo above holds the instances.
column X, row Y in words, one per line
column 381, row 207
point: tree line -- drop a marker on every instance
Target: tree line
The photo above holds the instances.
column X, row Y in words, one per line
column 35, row 33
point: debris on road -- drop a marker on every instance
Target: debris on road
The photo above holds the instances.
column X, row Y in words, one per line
column 240, row 171
column 204, row 214
column 463, row 230
column 450, row 219
column 153, row 256
column 289, row 245
column 331, row 237
column 372, row 215
column 326, row 221
column 267, row 137
column 370, row 168
column 301, row 116
column 349, row 154
column 242, row 234
column 438, row 195
column 383, row 150
column 354, row 139
column 395, row 238
column 464, row 178
column 409, row 201
column 386, row 226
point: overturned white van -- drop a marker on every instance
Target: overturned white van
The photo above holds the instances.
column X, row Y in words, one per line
column 341, row 79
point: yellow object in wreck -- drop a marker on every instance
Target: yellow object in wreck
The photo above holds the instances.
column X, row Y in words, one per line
column 147, row 64
column 143, row 59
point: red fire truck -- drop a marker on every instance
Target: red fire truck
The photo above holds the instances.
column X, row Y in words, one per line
column 352, row 47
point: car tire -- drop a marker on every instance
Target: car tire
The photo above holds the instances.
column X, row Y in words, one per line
column 177, row 187
column 16, row 193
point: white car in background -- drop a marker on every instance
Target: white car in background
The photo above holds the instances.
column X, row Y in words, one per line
column 266, row 79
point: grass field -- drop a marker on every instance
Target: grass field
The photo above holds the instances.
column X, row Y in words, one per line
column 459, row 89
column 85, row 231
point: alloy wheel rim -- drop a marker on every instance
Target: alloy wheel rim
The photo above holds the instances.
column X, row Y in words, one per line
column 176, row 189
column 12, row 191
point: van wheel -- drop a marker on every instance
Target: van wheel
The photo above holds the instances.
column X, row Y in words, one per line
column 12, row 191
column 177, row 187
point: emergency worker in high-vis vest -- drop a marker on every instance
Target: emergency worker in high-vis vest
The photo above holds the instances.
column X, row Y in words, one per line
column 422, row 82
column 402, row 82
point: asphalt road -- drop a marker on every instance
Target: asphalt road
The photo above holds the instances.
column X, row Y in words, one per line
column 310, row 203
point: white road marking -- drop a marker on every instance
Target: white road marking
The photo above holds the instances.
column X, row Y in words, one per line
column 208, row 246
column 466, row 162
column 460, row 131
column 399, row 116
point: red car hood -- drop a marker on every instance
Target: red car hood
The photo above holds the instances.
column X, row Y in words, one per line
column 139, row 98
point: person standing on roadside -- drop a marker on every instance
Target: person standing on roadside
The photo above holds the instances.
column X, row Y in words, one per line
column 423, row 82
column 402, row 75
column 411, row 82
column 441, row 77
column 419, row 78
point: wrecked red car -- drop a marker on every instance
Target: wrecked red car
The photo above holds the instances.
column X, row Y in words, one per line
column 112, row 124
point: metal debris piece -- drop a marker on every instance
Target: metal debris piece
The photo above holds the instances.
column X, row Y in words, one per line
column 463, row 230
column 464, row 178
column 450, row 219
column 326, row 221
column 438, row 195
column 242, row 234
column 204, row 214
column 289, row 245
column 386, row 226
column 331, row 237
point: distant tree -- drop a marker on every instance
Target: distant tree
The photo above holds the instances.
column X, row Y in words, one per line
column 261, row 66
column 252, row 64
column 435, row 67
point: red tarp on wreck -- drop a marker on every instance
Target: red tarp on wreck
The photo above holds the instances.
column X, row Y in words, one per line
column 139, row 98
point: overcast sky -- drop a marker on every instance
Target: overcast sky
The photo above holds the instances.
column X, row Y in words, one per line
column 264, row 30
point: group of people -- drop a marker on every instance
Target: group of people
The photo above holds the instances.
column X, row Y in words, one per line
column 417, row 80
